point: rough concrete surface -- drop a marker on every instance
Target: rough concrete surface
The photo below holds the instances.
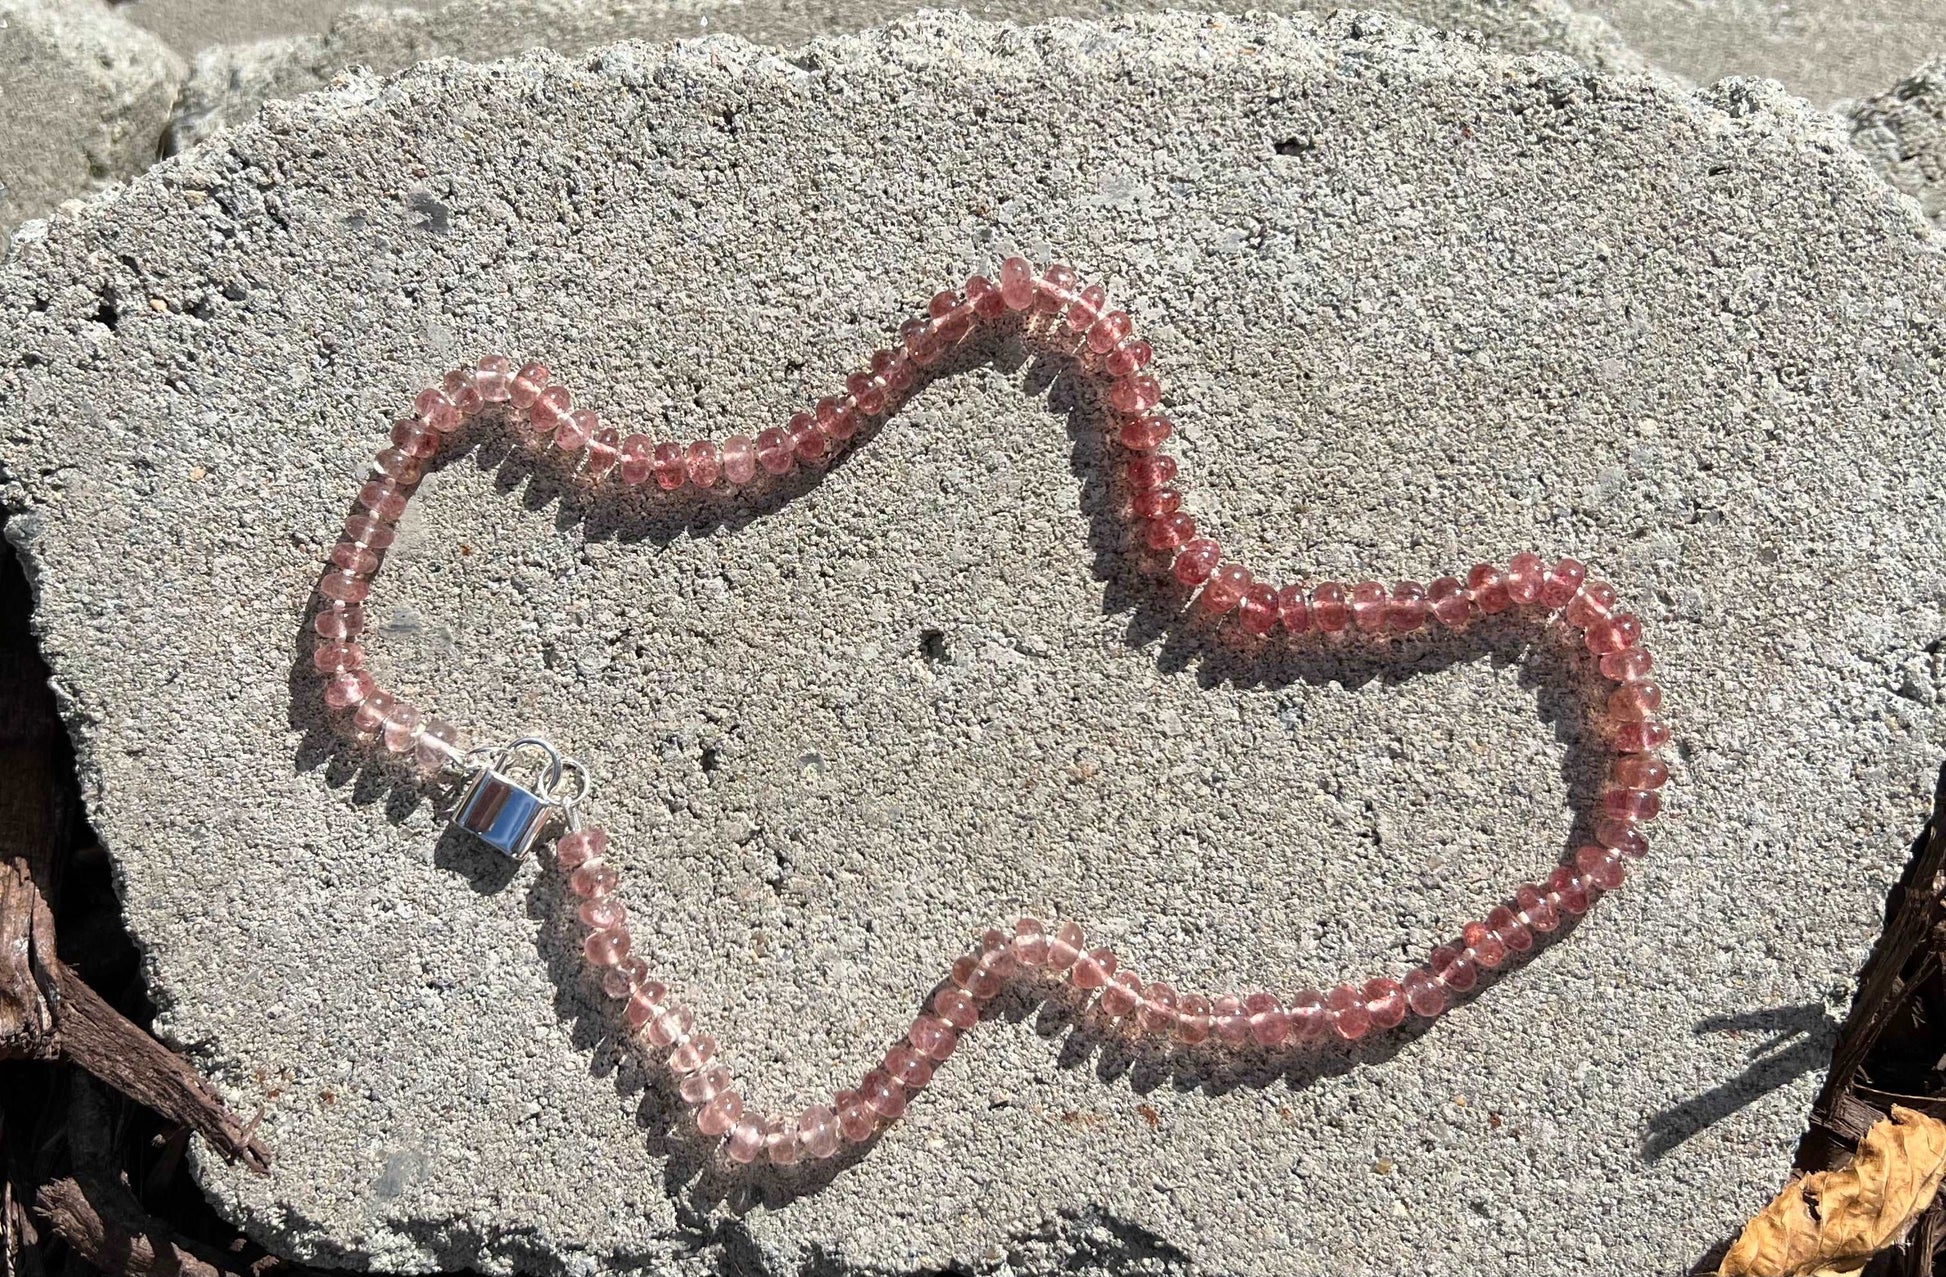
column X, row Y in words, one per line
column 1823, row 50
column 1903, row 132
column 193, row 25
column 84, row 102
column 228, row 83
column 1416, row 304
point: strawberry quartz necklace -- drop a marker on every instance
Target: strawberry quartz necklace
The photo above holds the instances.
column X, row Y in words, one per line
column 517, row 794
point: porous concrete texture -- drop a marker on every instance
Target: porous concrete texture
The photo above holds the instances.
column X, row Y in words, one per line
column 1903, row 132
column 1416, row 304
column 84, row 102
column 228, row 83
column 1823, row 50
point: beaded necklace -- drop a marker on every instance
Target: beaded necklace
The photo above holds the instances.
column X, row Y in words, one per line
column 1055, row 313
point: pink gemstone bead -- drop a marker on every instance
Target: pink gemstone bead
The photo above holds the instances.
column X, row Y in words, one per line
column 645, row 1002
column 575, row 432
column 1565, row 890
column 1595, row 602
column 1129, row 357
column 882, row 1095
column 1056, row 287
column 908, row 1066
column 1632, row 804
column 720, row 1114
column 1293, row 612
column 1368, row 606
column 774, row 452
column 344, row 587
column 1614, row 634
column 1230, row 1023
column 748, row 1139
column 1329, row 610
column 1109, row 331
column 1423, row 993
column 1624, row 836
column 1524, row 573
column 1145, row 434
column 1456, row 971
column 1534, row 909
column 956, row 1008
column 1599, row 866
column 368, row 720
column 1193, row 1019
column 1350, row 1017
column 436, row 411
column 1451, row 603
column 619, row 981
column 549, row 409
column 1511, row 930
column 1257, row 613
column 638, row 460
column 602, row 914
column 1017, row 283
column 1121, row 995
column 1385, row 1002
column 1270, row 1024
column 354, row 558
column 1170, row 531
column 492, row 376
column 1064, row 948
column 1561, row 581
column 402, row 728
column 1641, row 738
column 1092, row 969
column 1310, row 1017
column 705, row 1084
column 396, row 464
column 836, row 419
column 1030, row 943
column 527, row 385
column 1482, row 945
column 668, row 465
column 577, row 848
column 373, row 534
column 336, row 658
column 807, row 442
column 703, row 463
column 1225, row 588
column 348, row 689
column 1148, row 472
column 1086, row 309
column 414, row 438
column 604, row 452
column 671, row 1027
column 1195, row 562
column 976, row 979
column 465, row 396
column 595, row 878
column 1155, row 503
column 934, row 1036
column 1639, row 771
column 337, row 622
column 986, row 298
column 606, row 948
column 1627, row 666
column 1408, row 608
column 856, row 1121
column 1489, row 586
column 739, row 460
column 1633, row 702
column 693, row 1054
column 817, row 1127
column 1155, row 1011
column 1135, row 394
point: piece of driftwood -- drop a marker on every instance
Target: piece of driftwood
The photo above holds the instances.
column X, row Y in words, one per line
column 107, row 1227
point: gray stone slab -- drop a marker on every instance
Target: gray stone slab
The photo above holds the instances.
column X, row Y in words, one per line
column 190, row 26
column 84, row 103
column 229, row 83
column 1416, row 304
column 1824, row 50
column 1903, row 132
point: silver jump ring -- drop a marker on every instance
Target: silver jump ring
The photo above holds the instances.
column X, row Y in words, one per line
column 545, row 747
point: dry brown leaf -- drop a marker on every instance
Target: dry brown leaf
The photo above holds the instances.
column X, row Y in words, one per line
column 1831, row 1223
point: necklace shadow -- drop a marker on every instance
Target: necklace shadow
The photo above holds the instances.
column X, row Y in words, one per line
column 1155, row 611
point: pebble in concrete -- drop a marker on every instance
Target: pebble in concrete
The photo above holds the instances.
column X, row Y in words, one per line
column 1420, row 304
column 84, row 102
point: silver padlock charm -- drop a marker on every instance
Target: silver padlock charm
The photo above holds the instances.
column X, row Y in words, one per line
column 511, row 816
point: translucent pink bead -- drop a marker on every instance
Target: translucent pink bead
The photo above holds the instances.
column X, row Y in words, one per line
column 817, row 1127
column 1193, row 1019
column 492, row 376
column 354, row 558
column 971, row 975
column 527, row 384
column 1423, row 993
column 693, row 1054
column 1368, row 606
column 719, row 1114
column 836, row 419
column 463, row 394
column 368, row 719
column 1408, row 609
column 910, row 1067
column 956, row 1008
column 1135, row 394
column 575, row 432
column 344, row 587
column 1129, row 357
column 1633, row 702
column 396, row 464
column 336, row 658
column 1595, row 602
column 1456, row 971
column 336, row 622
column 1257, row 613
column 739, row 460
column 1170, row 531
column 1056, row 287
column 1310, row 1017
column 1641, row 738
column 748, row 1139
column 1627, row 666
column 934, row 1036
column 1064, row 948
column 1109, row 331
column 1230, row 1022
column 1524, row 574
column 438, row 745
column 1225, row 588
column 1195, row 562
column 703, row 463
column 645, row 1002
column 986, row 298
column 1017, row 283
column 807, row 442
column 1350, row 1018
column 604, row 452
column 1632, row 804
column 1489, row 586
column 774, row 452
column 1639, row 771
column 619, row 981
column 671, row 1028
column 1534, row 909
column 705, row 1084
column 1614, row 634
column 1145, row 433
column 348, row 689
column 856, row 1121
column 1155, row 1010
column 1270, row 1024
column 578, row 847
column 1330, row 611
column 638, row 460
column 606, row 948
column 1086, row 308
column 882, row 1095
column 372, row 533
column 601, row 914
column 1092, row 969
column 1511, row 931
column 1599, row 866
column 414, row 438
column 669, row 465
column 1624, row 836
column 1030, row 943
column 1561, row 581
column 595, row 878
column 1293, row 612
column 1482, row 945
column 549, row 409
column 1121, row 995
column 1385, row 1002
column 1451, row 603
column 1150, row 472
column 1565, row 890
column 437, row 411
column 402, row 728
